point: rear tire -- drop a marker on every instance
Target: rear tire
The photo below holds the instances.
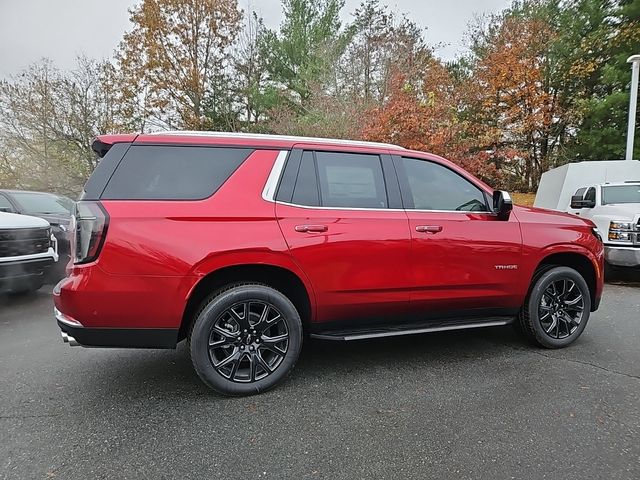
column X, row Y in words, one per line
column 557, row 308
column 245, row 339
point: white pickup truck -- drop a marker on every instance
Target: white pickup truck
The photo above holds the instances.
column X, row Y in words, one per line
column 615, row 209
column 27, row 250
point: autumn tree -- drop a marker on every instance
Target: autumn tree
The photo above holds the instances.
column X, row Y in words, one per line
column 423, row 115
column 549, row 84
column 382, row 42
column 172, row 63
column 48, row 120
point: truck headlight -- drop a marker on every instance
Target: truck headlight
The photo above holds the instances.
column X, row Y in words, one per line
column 621, row 225
column 621, row 231
column 620, row 236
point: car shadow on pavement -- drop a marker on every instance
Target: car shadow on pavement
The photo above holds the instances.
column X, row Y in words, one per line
column 144, row 374
column 17, row 300
column 623, row 276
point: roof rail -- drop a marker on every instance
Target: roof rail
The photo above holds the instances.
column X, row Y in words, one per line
column 288, row 138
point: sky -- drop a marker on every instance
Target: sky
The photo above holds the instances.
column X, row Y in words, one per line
column 62, row 29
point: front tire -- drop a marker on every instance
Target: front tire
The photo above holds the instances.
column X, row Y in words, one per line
column 245, row 339
column 557, row 308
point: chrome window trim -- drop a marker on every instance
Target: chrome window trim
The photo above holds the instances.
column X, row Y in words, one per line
column 270, row 187
column 340, row 208
column 383, row 209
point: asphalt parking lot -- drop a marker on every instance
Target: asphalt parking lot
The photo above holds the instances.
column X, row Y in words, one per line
column 477, row 404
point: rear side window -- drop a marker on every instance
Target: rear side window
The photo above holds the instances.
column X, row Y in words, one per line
column 151, row 172
column 351, row 180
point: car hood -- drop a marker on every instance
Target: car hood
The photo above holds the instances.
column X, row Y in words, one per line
column 622, row 211
column 14, row 220
column 543, row 215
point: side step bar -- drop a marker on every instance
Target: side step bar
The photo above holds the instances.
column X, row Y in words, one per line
column 380, row 333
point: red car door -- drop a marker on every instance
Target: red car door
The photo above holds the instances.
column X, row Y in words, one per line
column 339, row 222
column 465, row 261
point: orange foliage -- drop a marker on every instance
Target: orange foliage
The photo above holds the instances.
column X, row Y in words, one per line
column 517, row 114
column 424, row 117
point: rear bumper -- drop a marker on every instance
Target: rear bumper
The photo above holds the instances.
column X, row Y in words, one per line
column 74, row 333
column 622, row 256
column 100, row 300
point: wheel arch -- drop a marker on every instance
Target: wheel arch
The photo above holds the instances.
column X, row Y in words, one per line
column 276, row 276
column 580, row 262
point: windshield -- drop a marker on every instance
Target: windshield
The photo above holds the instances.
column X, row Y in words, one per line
column 43, row 203
column 621, row 194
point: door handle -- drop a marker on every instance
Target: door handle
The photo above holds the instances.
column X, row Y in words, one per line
column 311, row 228
column 428, row 228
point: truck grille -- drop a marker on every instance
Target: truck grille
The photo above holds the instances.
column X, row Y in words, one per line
column 24, row 241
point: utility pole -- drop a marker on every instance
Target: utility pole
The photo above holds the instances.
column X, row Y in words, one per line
column 634, row 60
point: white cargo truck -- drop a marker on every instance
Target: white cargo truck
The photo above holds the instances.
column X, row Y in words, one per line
column 605, row 192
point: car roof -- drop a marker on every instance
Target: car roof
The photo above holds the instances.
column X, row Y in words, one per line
column 242, row 139
column 257, row 140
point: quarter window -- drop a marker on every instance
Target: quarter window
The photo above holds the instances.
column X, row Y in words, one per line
column 151, row 172
column 432, row 186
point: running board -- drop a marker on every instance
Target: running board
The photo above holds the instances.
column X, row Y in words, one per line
column 396, row 332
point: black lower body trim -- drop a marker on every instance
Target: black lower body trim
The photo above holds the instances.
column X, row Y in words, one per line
column 122, row 337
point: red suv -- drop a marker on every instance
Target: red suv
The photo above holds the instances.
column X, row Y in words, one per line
column 245, row 244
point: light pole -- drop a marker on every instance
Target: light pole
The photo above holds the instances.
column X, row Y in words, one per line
column 634, row 60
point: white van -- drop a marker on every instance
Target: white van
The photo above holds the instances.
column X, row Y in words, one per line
column 606, row 192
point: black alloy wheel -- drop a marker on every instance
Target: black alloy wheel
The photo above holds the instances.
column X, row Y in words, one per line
column 248, row 341
column 245, row 339
column 557, row 308
column 561, row 308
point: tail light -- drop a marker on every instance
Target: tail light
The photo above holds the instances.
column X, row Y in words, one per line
column 90, row 222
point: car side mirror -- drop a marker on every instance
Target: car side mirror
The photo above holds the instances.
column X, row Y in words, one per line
column 577, row 202
column 502, row 204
